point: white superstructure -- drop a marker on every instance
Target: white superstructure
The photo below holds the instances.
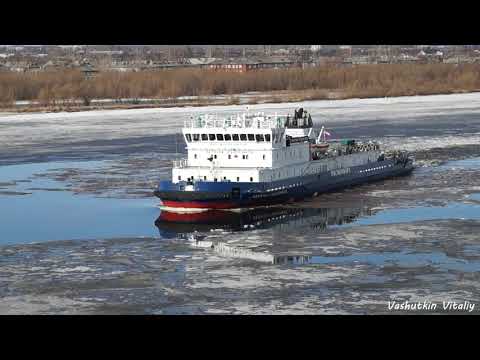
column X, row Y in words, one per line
column 253, row 148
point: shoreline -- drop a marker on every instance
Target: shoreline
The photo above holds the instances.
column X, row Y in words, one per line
column 251, row 98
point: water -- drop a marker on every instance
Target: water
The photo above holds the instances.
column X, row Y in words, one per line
column 422, row 213
column 118, row 256
column 58, row 214
column 51, row 211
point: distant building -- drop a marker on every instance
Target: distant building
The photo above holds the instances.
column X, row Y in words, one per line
column 245, row 64
column 105, row 52
column 88, row 71
column 359, row 60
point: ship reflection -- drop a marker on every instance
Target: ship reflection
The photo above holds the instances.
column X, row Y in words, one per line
column 171, row 224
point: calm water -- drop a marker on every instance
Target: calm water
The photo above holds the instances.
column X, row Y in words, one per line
column 58, row 214
column 47, row 210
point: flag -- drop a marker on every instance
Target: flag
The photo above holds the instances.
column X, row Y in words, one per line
column 327, row 133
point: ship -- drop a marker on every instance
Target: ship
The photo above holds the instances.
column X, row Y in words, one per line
column 257, row 159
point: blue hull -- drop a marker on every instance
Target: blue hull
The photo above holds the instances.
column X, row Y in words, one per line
column 225, row 195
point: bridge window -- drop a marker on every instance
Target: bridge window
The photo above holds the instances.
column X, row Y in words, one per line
column 196, row 137
column 267, row 137
column 228, row 137
column 220, row 137
column 251, row 137
column 235, row 137
column 259, row 137
column 211, row 137
column 243, row 137
column 188, row 137
column 204, row 137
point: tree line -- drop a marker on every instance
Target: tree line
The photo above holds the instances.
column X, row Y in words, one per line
column 379, row 80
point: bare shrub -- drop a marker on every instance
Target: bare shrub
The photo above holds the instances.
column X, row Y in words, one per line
column 70, row 86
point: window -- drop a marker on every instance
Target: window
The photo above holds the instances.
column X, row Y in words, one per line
column 224, row 178
column 215, row 179
column 196, row 137
column 204, row 137
column 267, row 137
column 251, row 179
column 214, row 156
column 243, row 137
column 194, row 156
column 263, row 157
column 179, row 177
column 259, row 137
column 220, row 137
column 251, row 137
column 228, row 137
column 235, row 137
column 188, row 137
column 238, row 179
column 229, row 156
column 211, row 136
column 204, row 178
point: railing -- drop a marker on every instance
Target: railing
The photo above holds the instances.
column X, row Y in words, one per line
column 258, row 121
column 181, row 163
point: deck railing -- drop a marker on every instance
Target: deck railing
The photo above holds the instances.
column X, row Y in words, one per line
column 258, row 121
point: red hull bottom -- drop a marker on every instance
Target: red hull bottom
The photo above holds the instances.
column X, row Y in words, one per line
column 200, row 205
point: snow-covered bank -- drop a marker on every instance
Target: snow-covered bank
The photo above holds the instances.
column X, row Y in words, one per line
column 355, row 108
column 444, row 119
